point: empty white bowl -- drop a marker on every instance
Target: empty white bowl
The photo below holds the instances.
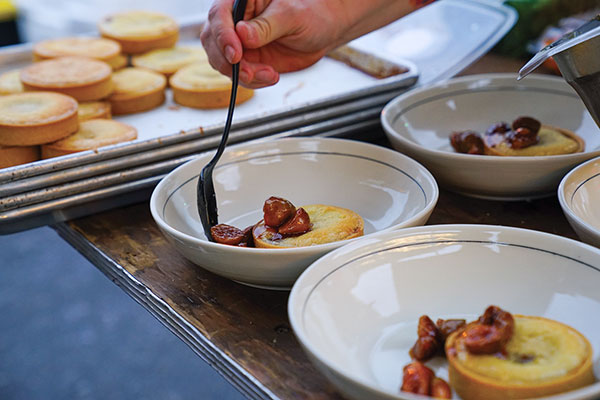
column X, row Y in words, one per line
column 387, row 189
column 355, row 311
column 419, row 123
column 579, row 197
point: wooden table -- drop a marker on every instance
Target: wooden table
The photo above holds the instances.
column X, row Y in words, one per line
column 241, row 331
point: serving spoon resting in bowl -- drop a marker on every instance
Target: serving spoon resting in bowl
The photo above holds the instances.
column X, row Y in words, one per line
column 207, row 199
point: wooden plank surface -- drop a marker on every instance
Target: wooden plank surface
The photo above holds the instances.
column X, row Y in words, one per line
column 250, row 326
column 244, row 332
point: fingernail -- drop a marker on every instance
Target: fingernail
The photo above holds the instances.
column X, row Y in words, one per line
column 251, row 34
column 243, row 29
column 264, row 75
column 244, row 76
column 229, row 54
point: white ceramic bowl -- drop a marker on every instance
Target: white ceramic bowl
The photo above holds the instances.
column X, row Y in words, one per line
column 419, row 123
column 386, row 188
column 579, row 197
column 355, row 311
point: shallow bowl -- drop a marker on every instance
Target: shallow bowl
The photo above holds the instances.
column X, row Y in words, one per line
column 579, row 197
column 355, row 311
column 387, row 189
column 419, row 123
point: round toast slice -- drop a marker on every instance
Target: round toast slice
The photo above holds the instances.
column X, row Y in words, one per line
column 33, row 118
column 91, row 135
column 328, row 224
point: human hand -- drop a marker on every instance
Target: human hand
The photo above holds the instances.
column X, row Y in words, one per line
column 276, row 36
column 279, row 36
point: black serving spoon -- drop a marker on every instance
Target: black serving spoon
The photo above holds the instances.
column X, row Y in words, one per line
column 207, row 200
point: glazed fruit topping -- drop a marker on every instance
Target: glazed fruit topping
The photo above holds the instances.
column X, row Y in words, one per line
column 297, row 225
column 490, row 333
column 227, row 234
column 522, row 133
column 419, row 379
column 281, row 218
column 468, row 142
column 432, row 337
column 277, row 211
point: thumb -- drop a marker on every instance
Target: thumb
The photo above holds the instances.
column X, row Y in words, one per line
column 262, row 30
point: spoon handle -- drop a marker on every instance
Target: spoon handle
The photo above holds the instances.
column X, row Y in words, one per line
column 239, row 8
column 207, row 199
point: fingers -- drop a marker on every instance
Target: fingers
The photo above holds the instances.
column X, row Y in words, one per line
column 224, row 47
column 282, row 58
column 220, row 39
column 265, row 28
column 256, row 75
column 245, row 43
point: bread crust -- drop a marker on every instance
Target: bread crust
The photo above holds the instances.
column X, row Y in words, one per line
column 136, row 90
column 329, row 224
column 93, row 109
column 198, row 85
column 168, row 61
column 10, row 82
column 82, row 78
column 91, row 135
column 17, row 155
column 137, row 46
column 98, row 48
column 471, row 385
column 140, row 31
column 33, row 118
column 118, row 62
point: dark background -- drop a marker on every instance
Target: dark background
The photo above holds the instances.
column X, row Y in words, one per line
column 68, row 332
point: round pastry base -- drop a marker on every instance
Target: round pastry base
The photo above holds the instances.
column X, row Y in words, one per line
column 17, row 155
column 472, row 385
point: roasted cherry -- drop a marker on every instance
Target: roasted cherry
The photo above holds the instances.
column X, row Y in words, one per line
column 227, row 234
column 490, row 333
column 440, row 389
column 248, row 240
column 527, row 122
column 428, row 341
column 468, row 142
column 521, row 138
column 417, row 378
column 277, row 211
column 499, row 127
column 298, row 224
column 447, row 326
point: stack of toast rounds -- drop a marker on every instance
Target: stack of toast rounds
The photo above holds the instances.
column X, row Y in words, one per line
column 63, row 102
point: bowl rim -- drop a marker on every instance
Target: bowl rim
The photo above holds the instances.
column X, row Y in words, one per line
column 387, row 114
column 428, row 178
column 565, row 203
column 297, row 301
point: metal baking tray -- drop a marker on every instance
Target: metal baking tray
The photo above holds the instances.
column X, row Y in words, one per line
column 135, row 184
column 55, row 190
column 328, row 82
column 51, row 185
column 47, row 172
column 37, row 193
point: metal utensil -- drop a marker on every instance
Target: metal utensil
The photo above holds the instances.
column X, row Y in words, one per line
column 207, row 199
column 577, row 55
column 585, row 32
